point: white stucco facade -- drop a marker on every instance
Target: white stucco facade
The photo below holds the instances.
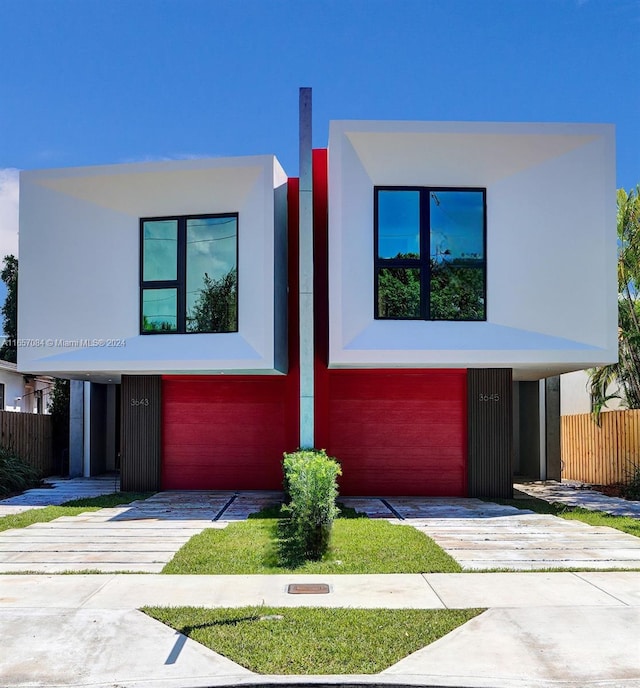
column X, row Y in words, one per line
column 575, row 396
column 550, row 243
column 79, row 282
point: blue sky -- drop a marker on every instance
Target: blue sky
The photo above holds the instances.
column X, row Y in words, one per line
column 105, row 81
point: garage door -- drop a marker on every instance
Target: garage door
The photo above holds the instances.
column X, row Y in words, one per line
column 399, row 432
column 224, row 433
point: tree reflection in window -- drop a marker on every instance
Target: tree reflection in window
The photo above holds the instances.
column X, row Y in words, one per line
column 430, row 253
column 216, row 306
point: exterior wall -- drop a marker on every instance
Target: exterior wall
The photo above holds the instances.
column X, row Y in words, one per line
column 575, row 397
column 550, row 221
column 13, row 389
column 37, row 394
column 79, row 267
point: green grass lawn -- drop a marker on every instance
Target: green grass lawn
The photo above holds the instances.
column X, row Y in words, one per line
column 593, row 518
column 358, row 545
column 313, row 640
column 71, row 508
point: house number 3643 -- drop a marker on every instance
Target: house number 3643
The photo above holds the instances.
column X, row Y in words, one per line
column 489, row 397
column 139, row 402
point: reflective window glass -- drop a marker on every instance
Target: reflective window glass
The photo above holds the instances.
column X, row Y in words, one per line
column 212, row 287
column 398, row 224
column 160, row 250
column 159, row 310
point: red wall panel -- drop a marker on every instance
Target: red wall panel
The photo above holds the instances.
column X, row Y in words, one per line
column 399, row 432
column 222, row 433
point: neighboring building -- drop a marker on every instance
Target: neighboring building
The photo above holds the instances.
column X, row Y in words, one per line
column 575, row 396
column 440, row 285
column 26, row 393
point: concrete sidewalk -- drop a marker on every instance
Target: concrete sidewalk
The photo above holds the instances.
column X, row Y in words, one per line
column 569, row 629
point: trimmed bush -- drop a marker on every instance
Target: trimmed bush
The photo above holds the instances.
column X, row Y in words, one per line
column 15, row 474
column 310, row 479
column 631, row 488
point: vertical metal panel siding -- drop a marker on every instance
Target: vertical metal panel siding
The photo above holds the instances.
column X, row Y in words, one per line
column 29, row 435
column 140, row 432
column 490, row 432
column 600, row 454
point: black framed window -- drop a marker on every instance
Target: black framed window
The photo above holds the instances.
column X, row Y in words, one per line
column 189, row 274
column 430, row 253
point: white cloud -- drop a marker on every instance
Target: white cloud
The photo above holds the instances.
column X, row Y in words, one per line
column 8, row 211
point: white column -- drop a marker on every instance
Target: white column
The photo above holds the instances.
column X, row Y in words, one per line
column 305, row 266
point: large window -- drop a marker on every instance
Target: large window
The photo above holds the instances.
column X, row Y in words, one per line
column 430, row 258
column 189, row 274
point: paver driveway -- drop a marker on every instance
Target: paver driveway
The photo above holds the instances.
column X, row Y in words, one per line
column 483, row 535
column 142, row 536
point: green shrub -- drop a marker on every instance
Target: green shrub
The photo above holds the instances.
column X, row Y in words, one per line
column 310, row 481
column 15, row 474
column 631, row 488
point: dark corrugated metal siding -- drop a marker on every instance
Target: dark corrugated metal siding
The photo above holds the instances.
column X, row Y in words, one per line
column 490, row 432
column 140, row 433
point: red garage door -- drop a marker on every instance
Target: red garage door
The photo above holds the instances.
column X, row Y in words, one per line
column 224, row 433
column 399, row 432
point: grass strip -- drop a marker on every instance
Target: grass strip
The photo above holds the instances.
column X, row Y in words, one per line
column 70, row 508
column 626, row 524
column 358, row 545
column 304, row 640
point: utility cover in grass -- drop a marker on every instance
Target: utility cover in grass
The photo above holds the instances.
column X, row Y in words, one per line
column 304, row 640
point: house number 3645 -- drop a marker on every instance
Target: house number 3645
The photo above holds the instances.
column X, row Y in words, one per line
column 139, row 402
column 489, row 397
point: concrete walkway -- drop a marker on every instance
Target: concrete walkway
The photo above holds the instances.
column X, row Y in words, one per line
column 544, row 630
column 57, row 491
column 573, row 493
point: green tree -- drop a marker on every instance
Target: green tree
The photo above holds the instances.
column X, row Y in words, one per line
column 625, row 374
column 9, row 275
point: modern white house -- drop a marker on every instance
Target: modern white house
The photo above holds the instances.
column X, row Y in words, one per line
column 408, row 303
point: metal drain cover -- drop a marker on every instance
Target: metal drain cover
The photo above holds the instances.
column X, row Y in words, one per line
column 308, row 589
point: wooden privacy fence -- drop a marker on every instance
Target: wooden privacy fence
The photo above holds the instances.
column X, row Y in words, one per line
column 600, row 454
column 29, row 435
